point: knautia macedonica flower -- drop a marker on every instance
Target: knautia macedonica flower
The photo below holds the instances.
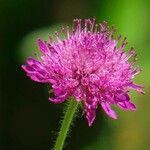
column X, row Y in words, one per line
column 88, row 65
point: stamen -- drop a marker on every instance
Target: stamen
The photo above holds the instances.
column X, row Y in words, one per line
column 51, row 39
column 118, row 38
column 136, row 71
column 92, row 23
column 77, row 25
column 124, row 43
column 63, row 30
column 130, row 54
column 96, row 27
column 86, row 25
column 68, row 32
column 113, row 30
column 58, row 37
column 104, row 26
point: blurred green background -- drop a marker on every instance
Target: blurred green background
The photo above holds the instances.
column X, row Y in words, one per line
column 27, row 120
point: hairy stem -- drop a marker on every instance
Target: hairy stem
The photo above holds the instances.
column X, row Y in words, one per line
column 66, row 123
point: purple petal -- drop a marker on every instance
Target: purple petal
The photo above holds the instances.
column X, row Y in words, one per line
column 90, row 115
column 33, row 74
column 110, row 98
column 78, row 94
column 126, row 105
column 108, row 110
column 27, row 68
column 122, row 100
column 136, row 71
column 37, row 77
column 121, row 97
column 131, row 106
column 122, row 105
column 136, row 87
column 31, row 61
column 52, row 81
column 90, row 109
column 58, row 90
column 42, row 46
column 36, row 71
column 59, row 99
column 34, row 63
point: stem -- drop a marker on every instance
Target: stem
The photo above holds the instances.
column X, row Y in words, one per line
column 66, row 123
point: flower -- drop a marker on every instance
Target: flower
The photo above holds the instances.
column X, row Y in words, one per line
column 88, row 65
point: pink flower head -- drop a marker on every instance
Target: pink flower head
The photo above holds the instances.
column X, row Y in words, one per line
column 88, row 65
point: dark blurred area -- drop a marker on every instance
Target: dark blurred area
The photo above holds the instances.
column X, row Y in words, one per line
column 27, row 119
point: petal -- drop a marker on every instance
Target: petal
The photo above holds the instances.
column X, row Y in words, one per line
column 136, row 71
column 28, row 68
column 58, row 90
column 131, row 106
column 108, row 110
column 126, row 105
column 136, row 87
column 31, row 61
column 78, row 94
column 42, row 46
column 110, row 98
column 34, row 63
column 122, row 105
column 121, row 97
column 90, row 116
column 36, row 71
column 37, row 77
column 59, row 99
column 90, row 106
